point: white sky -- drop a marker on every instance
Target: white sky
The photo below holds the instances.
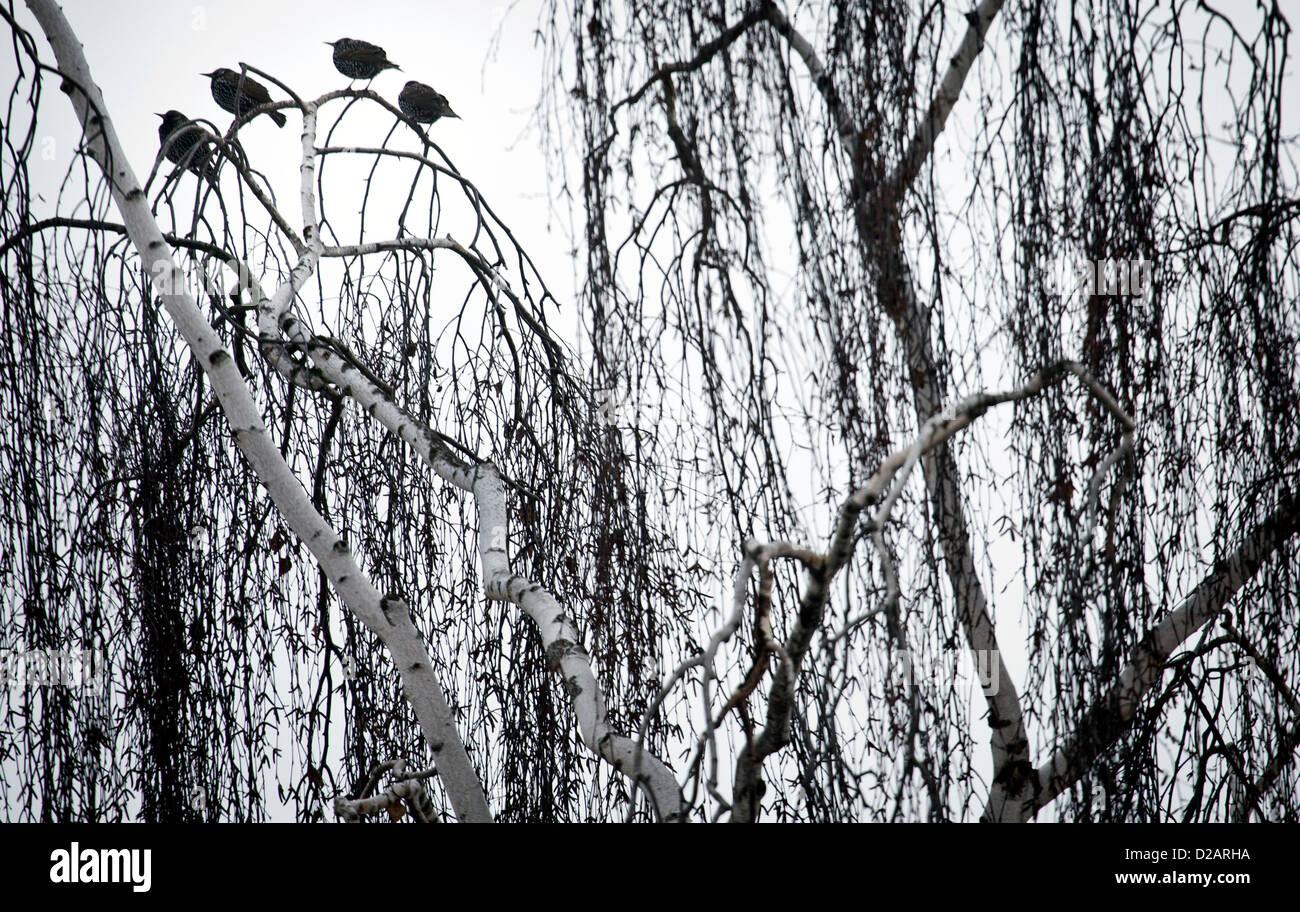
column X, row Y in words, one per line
column 147, row 56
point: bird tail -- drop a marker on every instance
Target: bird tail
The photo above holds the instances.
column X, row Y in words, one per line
column 279, row 118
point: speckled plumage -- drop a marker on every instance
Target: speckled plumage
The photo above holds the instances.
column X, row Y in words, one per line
column 182, row 150
column 239, row 93
column 357, row 59
column 422, row 104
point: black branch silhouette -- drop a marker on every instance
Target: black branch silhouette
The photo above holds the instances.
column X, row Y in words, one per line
column 346, row 522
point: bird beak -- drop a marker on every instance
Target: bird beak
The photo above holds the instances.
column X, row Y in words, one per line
column 206, row 74
column 331, row 43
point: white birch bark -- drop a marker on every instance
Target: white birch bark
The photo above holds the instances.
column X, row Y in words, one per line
column 560, row 638
column 1106, row 720
column 386, row 617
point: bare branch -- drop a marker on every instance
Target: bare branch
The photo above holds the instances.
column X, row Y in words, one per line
column 387, row 617
column 922, row 143
column 1111, row 715
column 560, row 639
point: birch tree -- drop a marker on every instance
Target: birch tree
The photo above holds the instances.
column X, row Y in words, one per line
column 229, row 568
column 362, row 534
column 781, row 224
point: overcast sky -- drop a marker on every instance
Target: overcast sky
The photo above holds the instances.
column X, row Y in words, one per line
column 147, row 56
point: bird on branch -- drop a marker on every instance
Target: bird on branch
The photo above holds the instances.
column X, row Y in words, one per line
column 188, row 148
column 239, row 93
column 422, row 104
column 358, row 59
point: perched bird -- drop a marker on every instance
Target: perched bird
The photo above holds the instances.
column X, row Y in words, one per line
column 422, row 104
column 186, row 149
column 239, row 93
column 358, row 59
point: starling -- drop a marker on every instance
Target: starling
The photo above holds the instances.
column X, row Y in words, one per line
column 239, row 93
column 422, row 104
column 186, row 149
column 357, row 59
